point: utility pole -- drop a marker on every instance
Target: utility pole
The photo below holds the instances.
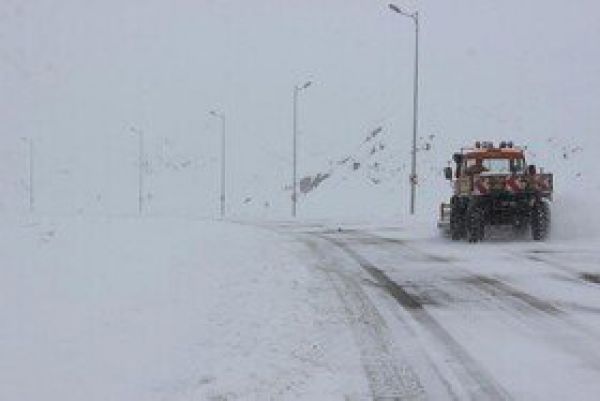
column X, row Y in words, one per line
column 223, row 161
column 413, row 173
column 297, row 89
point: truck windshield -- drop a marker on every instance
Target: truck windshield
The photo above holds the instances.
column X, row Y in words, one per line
column 495, row 166
column 503, row 166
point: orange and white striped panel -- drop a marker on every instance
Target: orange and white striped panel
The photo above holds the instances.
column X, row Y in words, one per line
column 514, row 184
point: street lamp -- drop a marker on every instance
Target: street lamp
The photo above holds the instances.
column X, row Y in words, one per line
column 141, row 162
column 222, row 117
column 413, row 173
column 297, row 89
column 29, row 143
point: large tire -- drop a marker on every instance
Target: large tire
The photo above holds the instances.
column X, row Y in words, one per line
column 475, row 224
column 457, row 222
column 540, row 221
column 520, row 227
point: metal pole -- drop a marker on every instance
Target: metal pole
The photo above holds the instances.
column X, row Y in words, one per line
column 413, row 180
column 222, row 166
column 294, row 155
column 223, row 160
column 141, row 173
column 297, row 89
column 413, row 171
column 31, row 189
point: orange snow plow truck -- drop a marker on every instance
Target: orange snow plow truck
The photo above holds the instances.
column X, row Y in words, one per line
column 494, row 186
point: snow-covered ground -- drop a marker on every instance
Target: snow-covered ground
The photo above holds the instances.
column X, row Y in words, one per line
column 164, row 309
column 106, row 103
column 175, row 309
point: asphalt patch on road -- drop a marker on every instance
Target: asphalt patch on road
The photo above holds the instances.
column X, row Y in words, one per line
column 591, row 277
column 500, row 289
column 394, row 289
column 543, row 251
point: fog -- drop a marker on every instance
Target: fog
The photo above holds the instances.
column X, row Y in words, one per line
column 80, row 78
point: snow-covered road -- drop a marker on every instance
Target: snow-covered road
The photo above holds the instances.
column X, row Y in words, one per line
column 173, row 309
column 435, row 319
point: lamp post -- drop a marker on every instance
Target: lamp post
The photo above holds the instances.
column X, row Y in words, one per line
column 141, row 162
column 413, row 173
column 222, row 118
column 30, row 188
column 297, row 89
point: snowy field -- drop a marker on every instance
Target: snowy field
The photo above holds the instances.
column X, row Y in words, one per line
column 163, row 310
column 169, row 309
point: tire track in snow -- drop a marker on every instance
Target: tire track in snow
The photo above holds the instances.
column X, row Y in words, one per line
column 489, row 285
column 557, row 321
column 476, row 381
column 553, row 324
column 587, row 278
column 388, row 378
column 495, row 287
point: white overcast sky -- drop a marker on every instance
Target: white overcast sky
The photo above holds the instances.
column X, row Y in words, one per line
column 75, row 75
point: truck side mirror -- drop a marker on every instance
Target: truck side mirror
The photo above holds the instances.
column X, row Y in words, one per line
column 531, row 169
column 448, row 173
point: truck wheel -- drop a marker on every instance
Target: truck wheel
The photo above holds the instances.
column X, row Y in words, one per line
column 540, row 221
column 457, row 223
column 475, row 224
column 519, row 228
